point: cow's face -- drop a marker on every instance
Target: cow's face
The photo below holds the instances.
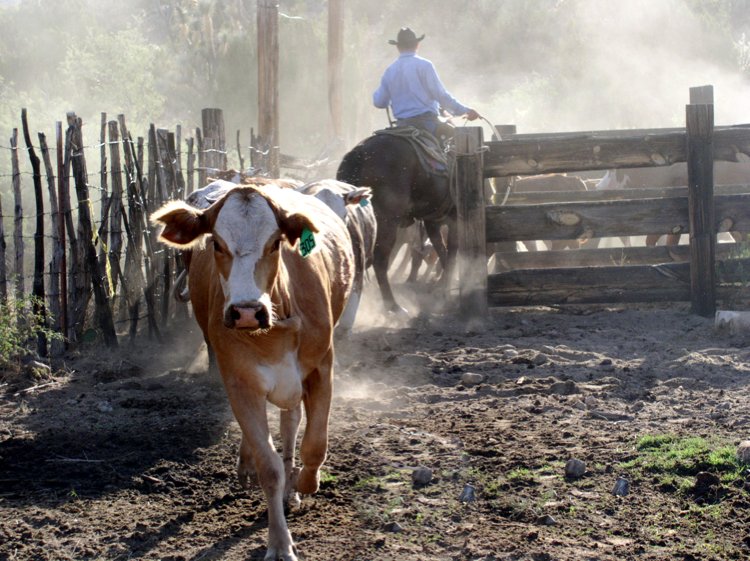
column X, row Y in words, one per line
column 247, row 229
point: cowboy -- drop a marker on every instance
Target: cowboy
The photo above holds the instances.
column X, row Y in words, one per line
column 410, row 85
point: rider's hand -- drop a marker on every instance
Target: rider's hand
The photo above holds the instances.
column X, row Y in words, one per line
column 472, row 115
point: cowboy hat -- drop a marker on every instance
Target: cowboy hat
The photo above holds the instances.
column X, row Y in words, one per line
column 406, row 37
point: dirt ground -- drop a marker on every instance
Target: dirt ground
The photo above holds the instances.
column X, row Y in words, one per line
column 130, row 455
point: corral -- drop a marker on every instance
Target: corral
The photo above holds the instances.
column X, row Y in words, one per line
column 565, row 405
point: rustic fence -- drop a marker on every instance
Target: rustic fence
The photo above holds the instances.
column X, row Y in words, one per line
column 642, row 274
column 100, row 243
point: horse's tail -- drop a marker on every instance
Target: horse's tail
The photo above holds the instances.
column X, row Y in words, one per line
column 350, row 168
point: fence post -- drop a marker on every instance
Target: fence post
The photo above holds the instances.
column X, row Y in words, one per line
column 63, row 201
column 700, row 164
column 472, row 235
column 115, row 210
column 103, row 311
column 214, row 141
column 37, row 288
column 3, row 270
column 17, row 218
column 57, row 346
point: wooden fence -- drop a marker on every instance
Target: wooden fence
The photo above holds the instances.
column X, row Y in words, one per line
column 101, row 243
column 642, row 274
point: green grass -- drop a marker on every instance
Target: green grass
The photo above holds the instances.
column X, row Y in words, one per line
column 676, row 459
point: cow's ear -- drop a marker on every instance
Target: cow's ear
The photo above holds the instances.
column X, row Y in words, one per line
column 358, row 195
column 292, row 226
column 183, row 225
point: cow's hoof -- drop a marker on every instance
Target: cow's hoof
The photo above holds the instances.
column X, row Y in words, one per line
column 246, row 475
column 292, row 501
column 308, row 481
column 280, row 554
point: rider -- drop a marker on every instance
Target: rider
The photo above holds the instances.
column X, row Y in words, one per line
column 410, row 85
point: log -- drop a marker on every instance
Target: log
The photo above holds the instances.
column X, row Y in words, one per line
column 115, row 210
column 268, row 85
column 700, row 130
column 64, row 208
column 104, row 180
column 18, row 244
column 668, row 282
column 615, row 256
column 37, row 289
column 57, row 346
column 103, row 311
column 591, row 152
column 3, row 256
column 472, row 267
column 540, row 197
column 558, row 221
column 191, row 166
column 214, row 140
column 202, row 177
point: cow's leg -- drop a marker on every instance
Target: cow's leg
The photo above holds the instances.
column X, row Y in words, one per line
column 386, row 237
column 246, row 465
column 250, row 411
column 290, row 420
column 317, row 399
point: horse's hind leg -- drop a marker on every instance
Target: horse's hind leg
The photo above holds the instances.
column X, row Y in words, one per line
column 386, row 237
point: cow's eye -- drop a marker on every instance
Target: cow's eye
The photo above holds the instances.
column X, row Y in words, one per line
column 277, row 244
column 217, row 247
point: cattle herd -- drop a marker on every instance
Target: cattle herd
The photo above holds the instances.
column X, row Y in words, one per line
column 274, row 273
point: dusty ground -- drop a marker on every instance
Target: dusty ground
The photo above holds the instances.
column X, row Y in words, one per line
column 131, row 455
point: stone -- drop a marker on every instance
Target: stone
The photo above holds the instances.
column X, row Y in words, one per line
column 393, row 527
column 468, row 495
column 540, row 359
column 621, row 488
column 421, row 476
column 568, row 387
column 471, row 379
column 546, row 520
column 575, row 468
column 743, row 452
column 706, row 483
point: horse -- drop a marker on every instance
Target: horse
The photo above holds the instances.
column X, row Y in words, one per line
column 403, row 191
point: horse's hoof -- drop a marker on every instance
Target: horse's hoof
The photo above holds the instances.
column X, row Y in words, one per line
column 398, row 311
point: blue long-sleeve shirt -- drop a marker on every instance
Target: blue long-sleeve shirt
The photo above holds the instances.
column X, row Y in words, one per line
column 411, row 86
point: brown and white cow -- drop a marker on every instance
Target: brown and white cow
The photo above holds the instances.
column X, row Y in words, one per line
column 269, row 313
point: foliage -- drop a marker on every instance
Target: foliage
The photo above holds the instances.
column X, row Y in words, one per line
column 672, row 455
column 21, row 321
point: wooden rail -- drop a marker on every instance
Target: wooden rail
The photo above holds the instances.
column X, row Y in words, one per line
column 695, row 210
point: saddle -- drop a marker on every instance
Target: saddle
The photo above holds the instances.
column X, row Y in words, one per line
column 430, row 153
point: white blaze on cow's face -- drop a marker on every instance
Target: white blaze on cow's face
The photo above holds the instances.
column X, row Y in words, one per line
column 246, row 240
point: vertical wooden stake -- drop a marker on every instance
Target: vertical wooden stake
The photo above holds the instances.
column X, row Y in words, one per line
column 700, row 164
column 17, row 220
column 64, row 206
column 53, row 294
column 268, row 84
column 472, row 235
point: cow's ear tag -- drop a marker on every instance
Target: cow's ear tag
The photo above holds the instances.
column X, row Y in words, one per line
column 306, row 242
column 364, row 202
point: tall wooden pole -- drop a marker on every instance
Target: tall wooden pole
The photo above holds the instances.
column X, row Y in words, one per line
column 38, row 283
column 17, row 219
column 472, row 235
column 702, row 216
column 335, row 65
column 268, row 83
column 62, row 196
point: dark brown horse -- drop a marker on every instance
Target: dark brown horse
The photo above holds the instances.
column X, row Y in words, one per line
column 403, row 191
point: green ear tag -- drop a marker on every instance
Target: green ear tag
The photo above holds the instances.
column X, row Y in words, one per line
column 306, row 243
column 363, row 202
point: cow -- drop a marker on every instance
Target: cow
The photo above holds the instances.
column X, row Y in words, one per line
column 352, row 205
column 271, row 274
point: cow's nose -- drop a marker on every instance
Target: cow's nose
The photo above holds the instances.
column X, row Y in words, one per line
column 247, row 315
